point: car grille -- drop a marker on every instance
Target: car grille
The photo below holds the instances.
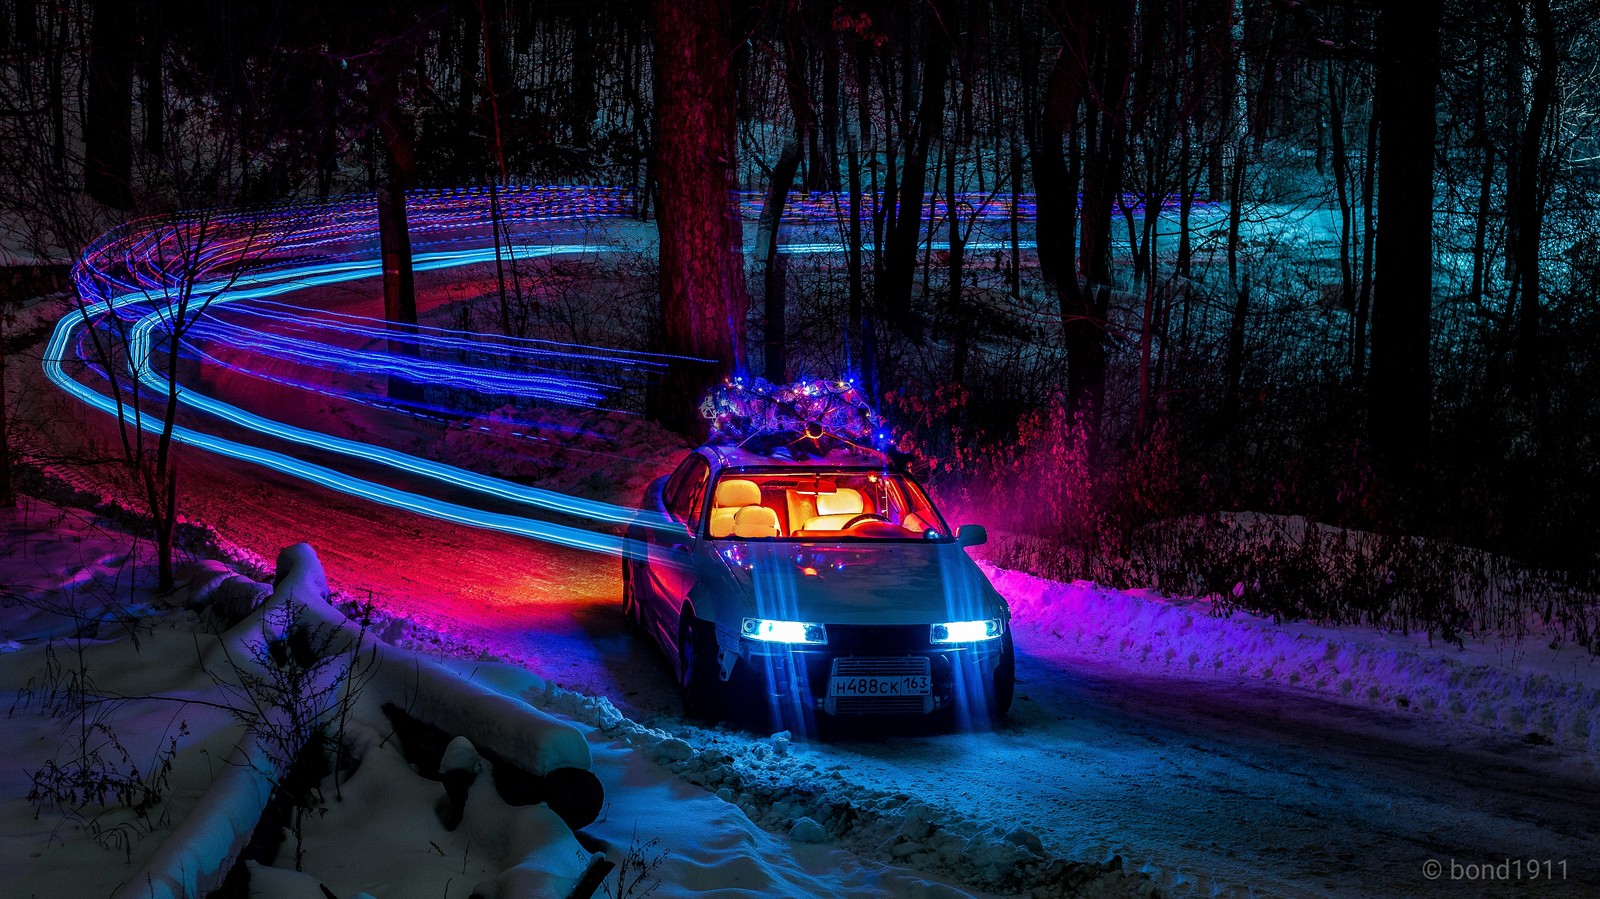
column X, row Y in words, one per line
column 855, row 666
column 859, row 667
column 881, row 705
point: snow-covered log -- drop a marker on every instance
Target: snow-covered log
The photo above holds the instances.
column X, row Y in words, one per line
column 204, row 847
column 515, row 735
column 509, row 728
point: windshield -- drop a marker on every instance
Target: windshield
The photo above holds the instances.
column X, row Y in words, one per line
column 822, row 505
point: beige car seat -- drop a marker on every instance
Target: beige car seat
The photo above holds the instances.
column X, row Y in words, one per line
column 836, row 509
column 733, row 494
column 755, row 521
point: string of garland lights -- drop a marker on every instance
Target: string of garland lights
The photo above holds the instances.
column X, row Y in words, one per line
column 132, row 278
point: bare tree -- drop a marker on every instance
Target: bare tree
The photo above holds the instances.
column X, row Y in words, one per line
column 146, row 284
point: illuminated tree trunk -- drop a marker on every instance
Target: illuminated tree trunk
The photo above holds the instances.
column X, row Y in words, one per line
column 1400, row 384
column 394, row 235
column 704, row 299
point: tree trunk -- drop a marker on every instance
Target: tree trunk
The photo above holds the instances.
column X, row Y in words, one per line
column 1233, row 364
column 1369, row 234
column 394, row 235
column 108, row 125
column 1056, row 194
column 585, row 108
column 1400, row 385
column 865, row 359
column 1084, row 323
column 898, row 273
column 152, row 85
column 467, row 63
column 8, row 497
column 399, row 291
column 1529, row 211
column 957, row 312
column 54, row 64
column 1014, row 266
column 1341, row 175
column 703, row 295
column 774, row 264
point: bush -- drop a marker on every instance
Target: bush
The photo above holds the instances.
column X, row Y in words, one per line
column 1069, row 516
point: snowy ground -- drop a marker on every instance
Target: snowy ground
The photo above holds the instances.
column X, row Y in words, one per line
column 78, row 619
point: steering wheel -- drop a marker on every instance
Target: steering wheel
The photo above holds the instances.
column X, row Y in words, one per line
column 865, row 516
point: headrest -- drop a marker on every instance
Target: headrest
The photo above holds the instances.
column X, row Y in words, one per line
column 843, row 502
column 738, row 492
column 755, row 521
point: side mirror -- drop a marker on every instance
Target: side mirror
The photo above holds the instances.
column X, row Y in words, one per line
column 972, row 535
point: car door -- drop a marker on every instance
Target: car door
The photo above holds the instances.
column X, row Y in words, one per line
column 670, row 551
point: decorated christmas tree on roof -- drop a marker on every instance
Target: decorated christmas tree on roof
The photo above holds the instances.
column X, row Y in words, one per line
column 745, row 409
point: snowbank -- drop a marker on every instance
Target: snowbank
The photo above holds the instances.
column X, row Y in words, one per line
column 205, row 846
column 381, row 834
column 1546, row 692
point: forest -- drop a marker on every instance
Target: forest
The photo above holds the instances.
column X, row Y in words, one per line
column 1107, row 265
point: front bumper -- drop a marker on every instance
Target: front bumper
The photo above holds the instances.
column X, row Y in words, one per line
column 794, row 679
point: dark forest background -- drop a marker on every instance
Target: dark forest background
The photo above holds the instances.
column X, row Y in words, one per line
column 1371, row 303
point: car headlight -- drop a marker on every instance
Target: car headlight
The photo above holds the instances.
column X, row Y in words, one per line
column 966, row 631
column 770, row 631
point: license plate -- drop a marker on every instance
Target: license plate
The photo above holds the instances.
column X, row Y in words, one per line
column 902, row 685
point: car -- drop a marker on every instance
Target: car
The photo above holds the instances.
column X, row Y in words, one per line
column 800, row 587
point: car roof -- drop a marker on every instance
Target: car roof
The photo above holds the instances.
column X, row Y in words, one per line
column 723, row 456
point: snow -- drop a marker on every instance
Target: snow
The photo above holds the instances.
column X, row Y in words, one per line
column 381, row 832
column 790, row 788
column 1551, row 690
column 79, row 606
column 536, row 742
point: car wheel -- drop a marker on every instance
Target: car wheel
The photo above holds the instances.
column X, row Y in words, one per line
column 1005, row 681
column 699, row 684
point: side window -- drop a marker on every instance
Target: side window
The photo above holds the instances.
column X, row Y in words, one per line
column 675, row 482
column 697, row 499
column 686, row 490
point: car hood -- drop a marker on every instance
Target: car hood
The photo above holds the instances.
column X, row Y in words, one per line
column 891, row 583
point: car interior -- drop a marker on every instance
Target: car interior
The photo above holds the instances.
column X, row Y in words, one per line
column 808, row 505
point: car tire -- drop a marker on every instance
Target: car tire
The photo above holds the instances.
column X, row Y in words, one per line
column 1005, row 681
column 699, row 684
